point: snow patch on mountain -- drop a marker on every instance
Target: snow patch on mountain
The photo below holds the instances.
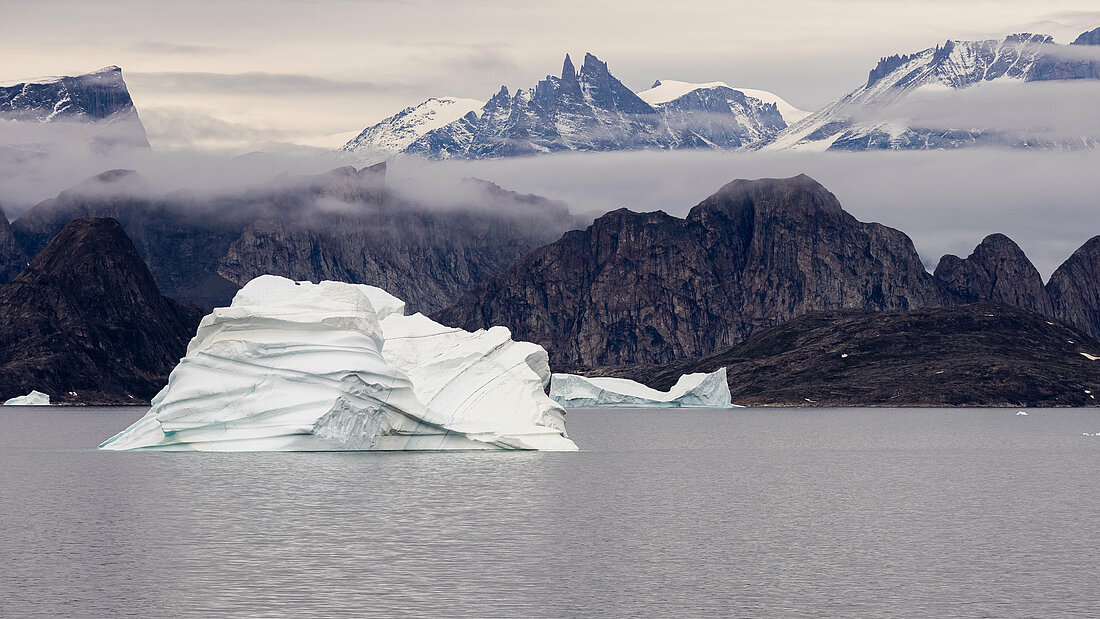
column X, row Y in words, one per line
column 664, row 91
column 883, row 112
column 396, row 133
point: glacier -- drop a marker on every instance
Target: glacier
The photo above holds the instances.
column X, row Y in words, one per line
column 298, row 366
column 34, row 398
column 699, row 390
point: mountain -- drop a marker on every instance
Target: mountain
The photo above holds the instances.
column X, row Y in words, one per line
column 665, row 91
column 879, row 114
column 342, row 225
column 97, row 105
column 651, row 288
column 12, row 258
column 585, row 110
column 397, row 132
column 86, row 323
column 1074, row 288
column 982, row 354
column 998, row 271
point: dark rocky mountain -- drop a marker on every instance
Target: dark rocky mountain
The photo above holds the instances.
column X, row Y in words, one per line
column 651, row 288
column 999, row 271
column 100, row 99
column 585, row 110
column 1074, row 288
column 983, row 354
column 85, row 322
column 874, row 116
column 1092, row 37
column 12, row 259
column 341, row 225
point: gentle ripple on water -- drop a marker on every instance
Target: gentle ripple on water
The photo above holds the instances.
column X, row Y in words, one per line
column 754, row 512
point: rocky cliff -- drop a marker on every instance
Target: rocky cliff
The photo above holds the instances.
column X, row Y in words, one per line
column 85, row 322
column 997, row 270
column 342, row 225
column 100, row 98
column 982, row 354
column 651, row 288
column 12, row 259
column 1074, row 288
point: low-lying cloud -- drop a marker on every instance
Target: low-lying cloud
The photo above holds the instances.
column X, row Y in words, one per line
column 946, row 201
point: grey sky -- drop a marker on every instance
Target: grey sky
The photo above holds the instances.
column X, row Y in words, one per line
column 302, row 69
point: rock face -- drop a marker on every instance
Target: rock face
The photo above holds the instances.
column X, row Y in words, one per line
column 690, row 391
column 342, row 225
column 1092, row 37
column 585, row 110
column 873, row 116
column 998, row 271
column 296, row 366
column 12, row 259
column 982, row 354
column 100, row 98
column 85, row 322
column 651, row 288
column 1074, row 288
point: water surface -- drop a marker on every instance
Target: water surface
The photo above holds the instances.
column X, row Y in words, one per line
column 747, row 512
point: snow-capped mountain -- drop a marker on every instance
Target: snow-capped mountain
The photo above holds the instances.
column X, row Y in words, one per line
column 665, row 91
column 876, row 115
column 395, row 133
column 99, row 99
column 590, row 110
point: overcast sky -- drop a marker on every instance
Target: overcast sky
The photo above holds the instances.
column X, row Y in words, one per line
column 238, row 73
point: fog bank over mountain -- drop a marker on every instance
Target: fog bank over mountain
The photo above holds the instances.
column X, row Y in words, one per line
column 947, row 201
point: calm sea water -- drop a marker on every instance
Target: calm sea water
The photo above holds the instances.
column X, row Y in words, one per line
column 753, row 512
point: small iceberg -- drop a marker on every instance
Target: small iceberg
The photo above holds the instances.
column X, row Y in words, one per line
column 1021, row 413
column 297, row 366
column 690, row 391
column 34, row 398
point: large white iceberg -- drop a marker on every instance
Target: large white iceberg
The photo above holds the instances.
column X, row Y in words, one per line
column 296, row 366
column 690, row 391
column 34, row 398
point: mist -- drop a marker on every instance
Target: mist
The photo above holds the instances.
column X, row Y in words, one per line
column 946, row 201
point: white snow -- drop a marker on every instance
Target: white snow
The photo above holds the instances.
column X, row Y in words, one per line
column 296, row 366
column 670, row 90
column 394, row 134
column 691, row 390
column 1089, row 357
column 34, row 398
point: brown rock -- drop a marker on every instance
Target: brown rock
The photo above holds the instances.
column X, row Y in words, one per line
column 997, row 270
column 982, row 354
column 87, row 317
column 648, row 287
column 1075, row 288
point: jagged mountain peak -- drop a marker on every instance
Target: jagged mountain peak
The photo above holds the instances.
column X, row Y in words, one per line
column 589, row 109
column 874, row 117
column 568, row 71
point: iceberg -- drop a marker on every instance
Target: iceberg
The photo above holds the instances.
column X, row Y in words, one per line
column 297, row 366
column 690, row 391
column 34, row 398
